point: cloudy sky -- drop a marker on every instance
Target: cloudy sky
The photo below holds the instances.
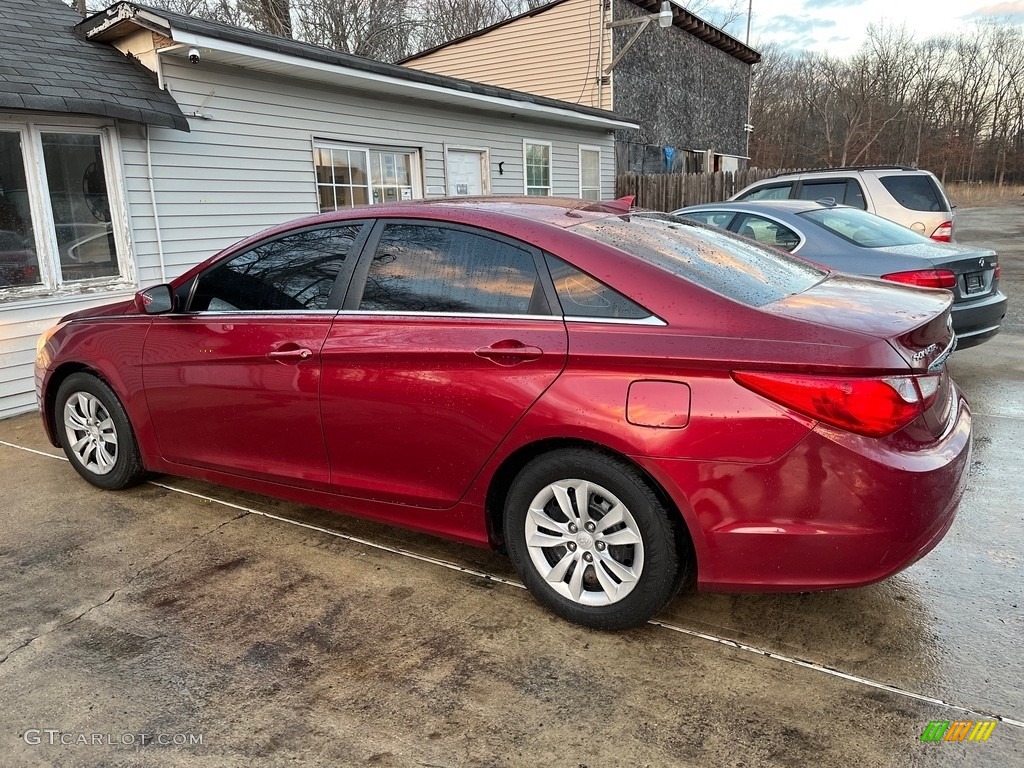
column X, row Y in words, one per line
column 838, row 26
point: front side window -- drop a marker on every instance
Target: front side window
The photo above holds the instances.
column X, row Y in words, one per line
column 767, row 231
column 295, row 272
column 718, row 219
column 351, row 176
column 75, row 239
column 590, row 173
column 538, row 168
column 719, row 261
column 418, row 268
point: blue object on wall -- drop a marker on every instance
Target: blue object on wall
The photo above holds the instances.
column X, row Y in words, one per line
column 670, row 153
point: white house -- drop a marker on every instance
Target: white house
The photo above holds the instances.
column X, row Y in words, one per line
column 137, row 142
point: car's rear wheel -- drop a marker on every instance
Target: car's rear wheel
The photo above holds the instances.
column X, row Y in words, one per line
column 591, row 540
column 95, row 433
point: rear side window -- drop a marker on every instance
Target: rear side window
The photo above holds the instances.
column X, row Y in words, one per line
column 916, row 192
column 418, row 268
column 584, row 296
column 294, row 272
column 769, row 192
column 721, row 262
column 823, row 190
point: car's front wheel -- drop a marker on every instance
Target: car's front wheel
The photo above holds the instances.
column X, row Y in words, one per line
column 95, row 433
column 591, row 540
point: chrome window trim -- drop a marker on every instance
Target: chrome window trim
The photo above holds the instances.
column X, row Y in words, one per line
column 252, row 313
column 470, row 315
column 649, row 320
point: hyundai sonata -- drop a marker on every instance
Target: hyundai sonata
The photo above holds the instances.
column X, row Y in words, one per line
column 618, row 399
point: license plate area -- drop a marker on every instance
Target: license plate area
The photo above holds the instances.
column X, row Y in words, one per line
column 974, row 282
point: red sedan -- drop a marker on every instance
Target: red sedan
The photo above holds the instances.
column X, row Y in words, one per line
column 619, row 399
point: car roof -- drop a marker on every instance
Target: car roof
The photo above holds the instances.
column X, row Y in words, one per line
column 777, row 206
column 561, row 212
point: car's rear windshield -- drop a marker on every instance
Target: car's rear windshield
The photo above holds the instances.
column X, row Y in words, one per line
column 917, row 192
column 862, row 228
column 724, row 263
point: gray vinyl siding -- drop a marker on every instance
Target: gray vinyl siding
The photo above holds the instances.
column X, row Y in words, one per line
column 251, row 165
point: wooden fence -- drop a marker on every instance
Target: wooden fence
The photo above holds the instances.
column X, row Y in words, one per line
column 669, row 191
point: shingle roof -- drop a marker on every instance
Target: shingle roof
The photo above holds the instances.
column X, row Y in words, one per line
column 681, row 18
column 263, row 41
column 45, row 66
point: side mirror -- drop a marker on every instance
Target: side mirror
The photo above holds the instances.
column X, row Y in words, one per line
column 157, row 300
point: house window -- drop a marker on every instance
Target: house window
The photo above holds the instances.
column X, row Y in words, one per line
column 538, row 167
column 56, row 227
column 590, row 173
column 350, row 176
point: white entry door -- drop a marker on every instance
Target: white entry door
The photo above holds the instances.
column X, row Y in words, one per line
column 465, row 172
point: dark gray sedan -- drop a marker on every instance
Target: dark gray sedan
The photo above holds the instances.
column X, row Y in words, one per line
column 851, row 240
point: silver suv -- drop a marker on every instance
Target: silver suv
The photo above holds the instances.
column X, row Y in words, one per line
column 908, row 196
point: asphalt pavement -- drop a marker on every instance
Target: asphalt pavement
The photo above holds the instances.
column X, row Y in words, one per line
column 182, row 623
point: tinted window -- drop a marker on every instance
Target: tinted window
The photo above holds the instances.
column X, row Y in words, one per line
column 584, row 296
column 294, row 272
column 823, row 190
column 419, row 268
column 916, row 192
column 855, row 195
column 767, row 232
column 718, row 219
column 863, row 229
column 719, row 261
column 773, row 192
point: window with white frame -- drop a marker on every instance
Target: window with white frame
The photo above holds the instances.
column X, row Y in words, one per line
column 56, row 228
column 347, row 176
column 590, row 173
column 537, row 159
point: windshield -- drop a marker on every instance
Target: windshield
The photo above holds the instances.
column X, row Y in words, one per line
column 724, row 263
column 862, row 228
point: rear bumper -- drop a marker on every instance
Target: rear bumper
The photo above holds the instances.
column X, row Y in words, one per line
column 979, row 320
column 837, row 511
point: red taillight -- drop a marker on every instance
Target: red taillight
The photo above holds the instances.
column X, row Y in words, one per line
column 875, row 406
column 998, row 271
column 944, row 232
column 925, row 278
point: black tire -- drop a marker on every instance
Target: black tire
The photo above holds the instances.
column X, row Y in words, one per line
column 107, row 466
column 663, row 560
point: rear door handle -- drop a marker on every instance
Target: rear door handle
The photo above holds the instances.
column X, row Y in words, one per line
column 291, row 355
column 509, row 352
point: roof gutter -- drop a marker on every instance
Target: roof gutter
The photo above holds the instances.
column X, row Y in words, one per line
column 426, row 91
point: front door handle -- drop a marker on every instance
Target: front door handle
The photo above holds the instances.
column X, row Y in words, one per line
column 291, row 355
column 509, row 352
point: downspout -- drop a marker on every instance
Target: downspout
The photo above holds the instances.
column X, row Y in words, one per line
column 156, row 216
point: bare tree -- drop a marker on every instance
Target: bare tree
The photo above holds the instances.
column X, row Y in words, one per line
column 272, row 16
column 376, row 29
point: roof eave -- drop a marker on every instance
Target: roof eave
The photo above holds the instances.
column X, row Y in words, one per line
column 309, row 69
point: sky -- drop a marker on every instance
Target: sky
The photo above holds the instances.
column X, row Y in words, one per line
column 839, row 26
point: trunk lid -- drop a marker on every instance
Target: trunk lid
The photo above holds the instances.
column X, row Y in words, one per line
column 974, row 268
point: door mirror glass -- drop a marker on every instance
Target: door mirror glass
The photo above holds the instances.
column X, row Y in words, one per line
column 157, row 300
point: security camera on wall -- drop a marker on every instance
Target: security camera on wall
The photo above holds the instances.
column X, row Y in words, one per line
column 193, row 55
